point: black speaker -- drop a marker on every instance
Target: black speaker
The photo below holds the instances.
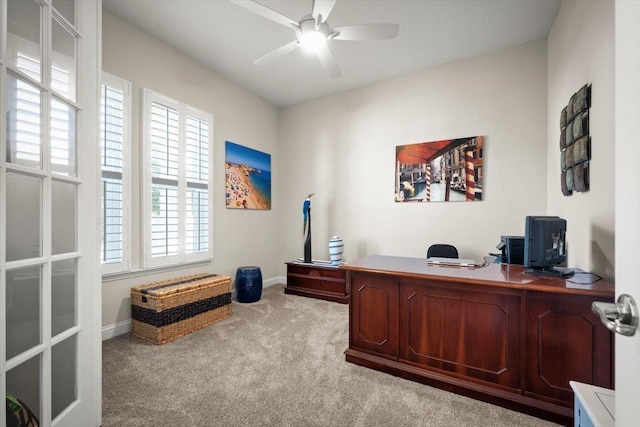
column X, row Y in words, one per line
column 513, row 249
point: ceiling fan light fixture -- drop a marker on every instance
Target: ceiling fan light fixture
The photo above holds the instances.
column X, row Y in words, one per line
column 311, row 37
column 313, row 32
column 313, row 41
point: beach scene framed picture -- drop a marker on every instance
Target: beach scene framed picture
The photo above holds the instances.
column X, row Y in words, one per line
column 248, row 177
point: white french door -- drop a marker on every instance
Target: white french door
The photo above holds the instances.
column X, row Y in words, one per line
column 50, row 291
column 627, row 146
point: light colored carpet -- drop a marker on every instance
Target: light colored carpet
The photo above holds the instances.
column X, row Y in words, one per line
column 276, row 362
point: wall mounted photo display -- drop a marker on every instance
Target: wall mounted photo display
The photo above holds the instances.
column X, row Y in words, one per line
column 581, row 150
column 582, row 99
column 248, row 178
column 569, row 177
column 580, row 125
column 569, row 160
column 563, row 183
column 563, row 118
column 440, row 171
column 581, row 176
column 569, row 133
column 575, row 142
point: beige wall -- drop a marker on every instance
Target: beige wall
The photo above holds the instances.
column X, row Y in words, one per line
column 580, row 51
column 342, row 148
column 240, row 237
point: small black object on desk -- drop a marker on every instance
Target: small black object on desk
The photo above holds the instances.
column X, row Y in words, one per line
column 512, row 248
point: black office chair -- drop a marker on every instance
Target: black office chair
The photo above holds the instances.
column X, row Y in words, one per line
column 442, row 251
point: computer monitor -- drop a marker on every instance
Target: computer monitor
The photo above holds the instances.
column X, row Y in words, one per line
column 544, row 245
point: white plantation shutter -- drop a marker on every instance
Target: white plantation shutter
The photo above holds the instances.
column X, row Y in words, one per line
column 164, row 142
column 114, row 161
column 197, row 140
column 165, row 159
column 197, row 220
column 165, row 217
column 112, row 212
column 177, row 182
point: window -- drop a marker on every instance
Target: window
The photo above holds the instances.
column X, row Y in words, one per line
column 177, row 175
column 115, row 102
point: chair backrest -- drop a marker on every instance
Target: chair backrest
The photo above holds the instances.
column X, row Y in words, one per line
column 442, row 250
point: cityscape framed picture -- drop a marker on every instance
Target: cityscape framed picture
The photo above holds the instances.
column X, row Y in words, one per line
column 449, row 170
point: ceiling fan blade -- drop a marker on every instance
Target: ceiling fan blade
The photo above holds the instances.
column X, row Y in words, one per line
column 329, row 63
column 277, row 53
column 322, row 8
column 265, row 12
column 367, row 32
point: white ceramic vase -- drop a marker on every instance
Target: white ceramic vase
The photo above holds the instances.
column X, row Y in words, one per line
column 336, row 248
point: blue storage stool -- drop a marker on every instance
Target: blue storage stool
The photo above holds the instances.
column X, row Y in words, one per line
column 248, row 284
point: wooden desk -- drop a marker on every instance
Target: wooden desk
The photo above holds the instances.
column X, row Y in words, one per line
column 317, row 280
column 492, row 333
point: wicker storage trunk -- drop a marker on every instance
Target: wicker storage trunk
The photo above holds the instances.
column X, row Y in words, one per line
column 164, row 311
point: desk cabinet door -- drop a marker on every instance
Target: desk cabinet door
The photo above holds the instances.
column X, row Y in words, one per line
column 565, row 341
column 374, row 314
column 469, row 332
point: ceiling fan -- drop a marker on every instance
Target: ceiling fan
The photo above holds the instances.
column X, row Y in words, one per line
column 313, row 32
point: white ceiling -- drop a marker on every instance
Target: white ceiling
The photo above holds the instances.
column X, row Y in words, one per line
column 227, row 38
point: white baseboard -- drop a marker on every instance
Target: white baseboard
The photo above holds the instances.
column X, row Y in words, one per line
column 116, row 329
column 274, row 281
column 124, row 327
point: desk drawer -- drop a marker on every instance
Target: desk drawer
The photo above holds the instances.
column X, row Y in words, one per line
column 326, row 284
column 316, row 272
column 317, row 281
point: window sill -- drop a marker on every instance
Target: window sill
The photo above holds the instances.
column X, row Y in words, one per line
column 112, row 277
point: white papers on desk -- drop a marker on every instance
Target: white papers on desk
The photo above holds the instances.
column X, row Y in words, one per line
column 451, row 262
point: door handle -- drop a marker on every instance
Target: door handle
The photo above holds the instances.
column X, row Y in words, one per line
column 620, row 317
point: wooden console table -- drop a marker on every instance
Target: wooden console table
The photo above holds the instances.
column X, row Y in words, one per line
column 492, row 333
column 317, row 280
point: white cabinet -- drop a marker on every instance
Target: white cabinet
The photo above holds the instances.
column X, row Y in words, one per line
column 594, row 406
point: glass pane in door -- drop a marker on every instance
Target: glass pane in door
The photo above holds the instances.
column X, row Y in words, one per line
column 66, row 8
column 24, row 51
column 23, row 383
column 63, row 295
column 63, row 138
column 63, row 196
column 23, row 303
column 63, row 61
column 63, row 375
column 24, row 222
column 24, row 118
